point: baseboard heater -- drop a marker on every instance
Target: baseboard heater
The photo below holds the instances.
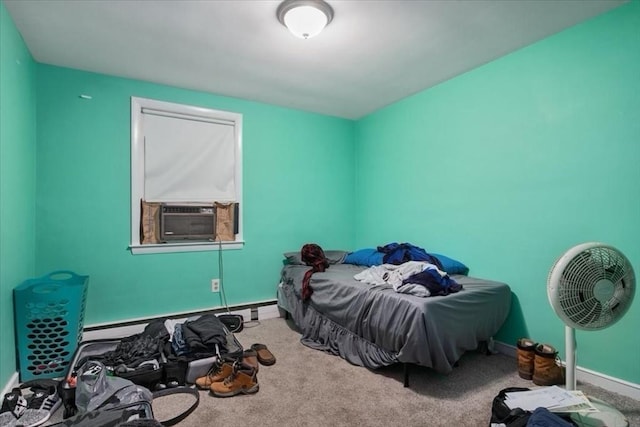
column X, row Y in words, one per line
column 263, row 310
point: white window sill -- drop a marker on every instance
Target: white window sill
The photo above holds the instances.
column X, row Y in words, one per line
column 138, row 249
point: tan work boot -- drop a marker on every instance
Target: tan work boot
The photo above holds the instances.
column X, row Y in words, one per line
column 526, row 356
column 243, row 380
column 547, row 368
column 218, row 372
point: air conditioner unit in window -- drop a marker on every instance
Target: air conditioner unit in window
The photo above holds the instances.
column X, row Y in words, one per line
column 187, row 222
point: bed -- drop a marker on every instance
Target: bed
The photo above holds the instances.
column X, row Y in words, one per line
column 374, row 326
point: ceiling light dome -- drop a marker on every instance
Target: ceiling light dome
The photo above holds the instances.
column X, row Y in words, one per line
column 304, row 18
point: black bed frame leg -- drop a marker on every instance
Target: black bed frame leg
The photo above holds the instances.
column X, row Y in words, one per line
column 406, row 374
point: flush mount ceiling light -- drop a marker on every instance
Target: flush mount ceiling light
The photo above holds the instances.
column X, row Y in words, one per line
column 304, row 18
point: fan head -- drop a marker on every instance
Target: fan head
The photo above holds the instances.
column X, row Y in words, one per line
column 591, row 286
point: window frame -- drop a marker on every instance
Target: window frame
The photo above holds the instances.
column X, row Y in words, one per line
column 137, row 174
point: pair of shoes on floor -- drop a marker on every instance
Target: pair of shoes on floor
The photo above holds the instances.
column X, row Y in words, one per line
column 540, row 363
column 265, row 356
column 232, row 377
column 243, row 379
column 13, row 406
column 16, row 410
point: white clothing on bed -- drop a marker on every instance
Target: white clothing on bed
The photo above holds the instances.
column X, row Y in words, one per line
column 394, row 275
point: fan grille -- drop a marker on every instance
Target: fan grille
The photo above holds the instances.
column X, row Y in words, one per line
column 591, row 286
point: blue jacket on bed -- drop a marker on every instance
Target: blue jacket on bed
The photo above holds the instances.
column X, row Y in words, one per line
column 397, row 253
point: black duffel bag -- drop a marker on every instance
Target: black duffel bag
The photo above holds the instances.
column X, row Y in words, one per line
column 501, row 414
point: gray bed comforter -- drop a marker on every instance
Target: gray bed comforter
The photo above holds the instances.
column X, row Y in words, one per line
column 375, row 326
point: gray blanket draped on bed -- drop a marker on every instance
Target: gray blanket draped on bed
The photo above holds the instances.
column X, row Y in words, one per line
column 374, row 326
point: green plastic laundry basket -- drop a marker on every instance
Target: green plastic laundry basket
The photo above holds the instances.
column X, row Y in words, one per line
column 49, row 317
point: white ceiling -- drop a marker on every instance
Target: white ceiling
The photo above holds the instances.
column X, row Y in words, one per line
column 372, row 54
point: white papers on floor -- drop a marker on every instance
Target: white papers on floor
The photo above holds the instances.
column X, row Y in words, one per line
column 554, row 398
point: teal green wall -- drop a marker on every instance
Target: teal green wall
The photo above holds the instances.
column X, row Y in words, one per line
column 509, row 165
column 17, row 178
column 504, row 167
column 297, row 172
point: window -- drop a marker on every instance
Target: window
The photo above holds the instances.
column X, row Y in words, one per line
column 188, row 156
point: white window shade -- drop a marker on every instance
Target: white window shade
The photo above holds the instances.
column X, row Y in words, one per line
column 188, row 159
column 184, row 154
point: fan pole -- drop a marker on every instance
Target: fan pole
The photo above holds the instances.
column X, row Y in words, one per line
column 570, row 348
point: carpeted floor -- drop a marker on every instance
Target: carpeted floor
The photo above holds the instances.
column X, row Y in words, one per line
column 310, row 388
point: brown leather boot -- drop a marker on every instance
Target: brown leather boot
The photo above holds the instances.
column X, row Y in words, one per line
column 547, row 367
column 526, row 356
column 250, row 357
column 243, row 380
column 218, row 372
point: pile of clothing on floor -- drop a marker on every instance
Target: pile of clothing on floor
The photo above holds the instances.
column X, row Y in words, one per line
column 110, row 381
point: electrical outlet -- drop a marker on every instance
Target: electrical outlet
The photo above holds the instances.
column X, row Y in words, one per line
column 215, row 285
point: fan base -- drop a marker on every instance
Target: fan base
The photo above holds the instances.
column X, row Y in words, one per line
column 607, row 417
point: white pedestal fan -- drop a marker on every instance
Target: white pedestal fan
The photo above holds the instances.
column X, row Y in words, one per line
column 590, row 287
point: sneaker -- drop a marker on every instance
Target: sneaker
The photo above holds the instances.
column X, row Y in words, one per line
column 13, row 406
column 40, row 406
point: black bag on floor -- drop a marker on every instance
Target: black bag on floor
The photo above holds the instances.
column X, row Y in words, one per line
column 117, row 416
column 502, row 414
column 148, row 358
column 102, row 400
column 233, row 322
column 148, row 373
column 136, row 414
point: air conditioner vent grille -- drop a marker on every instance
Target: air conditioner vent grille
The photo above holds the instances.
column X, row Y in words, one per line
column 187, row 209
